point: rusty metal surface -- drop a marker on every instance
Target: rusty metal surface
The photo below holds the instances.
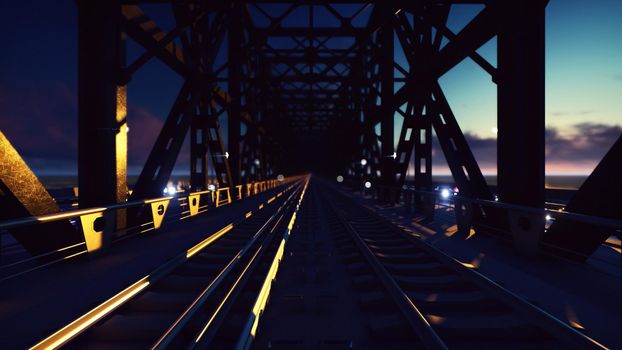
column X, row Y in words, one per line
column 22, row 194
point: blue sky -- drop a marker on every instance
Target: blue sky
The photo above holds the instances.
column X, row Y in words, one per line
column 38, row 78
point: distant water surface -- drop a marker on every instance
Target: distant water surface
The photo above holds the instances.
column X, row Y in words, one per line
column 568, row 182
column 54, row 182
column 563, row 182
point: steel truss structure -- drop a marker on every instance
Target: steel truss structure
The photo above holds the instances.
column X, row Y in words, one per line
column 309, row 95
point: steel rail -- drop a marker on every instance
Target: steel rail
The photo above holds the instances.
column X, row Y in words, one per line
column 414, row 317
column 560, row 330
column 78, row 326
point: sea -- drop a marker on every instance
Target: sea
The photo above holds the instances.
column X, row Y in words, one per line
column 562, row 182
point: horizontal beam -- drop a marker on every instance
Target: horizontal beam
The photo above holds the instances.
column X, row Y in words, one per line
column 398, row 3
column 306, row 59
column 335, row 32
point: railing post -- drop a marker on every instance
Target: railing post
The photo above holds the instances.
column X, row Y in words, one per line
column 408, row 200
column 527, row 230
column 193, row 203
column 464, row 216
column 98, row 229
column 158, row 210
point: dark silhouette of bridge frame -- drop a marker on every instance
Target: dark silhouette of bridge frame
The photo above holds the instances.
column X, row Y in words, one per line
column 314, row 106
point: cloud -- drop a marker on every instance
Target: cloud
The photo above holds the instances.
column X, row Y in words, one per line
column 144, row 129
column 40, row 120
column 578, row 150
column 565, row 113
column 588, row 142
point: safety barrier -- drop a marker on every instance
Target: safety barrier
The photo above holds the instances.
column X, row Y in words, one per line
column 527, row 225
column 99, row 225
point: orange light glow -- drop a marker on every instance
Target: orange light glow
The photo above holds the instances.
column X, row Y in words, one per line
column 433, row 319
column 197, row 248
column 451, row 230
column 571, row 315
column 76, row 327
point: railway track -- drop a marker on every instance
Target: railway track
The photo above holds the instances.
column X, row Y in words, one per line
column 350, row 279
column 183, row 303
column 318, row 300
column 443, row 303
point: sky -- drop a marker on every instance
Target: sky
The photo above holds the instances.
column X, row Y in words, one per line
column 38, row 87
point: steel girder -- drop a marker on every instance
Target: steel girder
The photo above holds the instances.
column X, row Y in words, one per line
column 197, row 106
column 201, row 29
column 102, row 106
column 318, row 83
column 598, row 196
column 284, row 82
column 21, row 195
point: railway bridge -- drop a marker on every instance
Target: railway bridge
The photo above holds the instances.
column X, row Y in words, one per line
column 310, row 218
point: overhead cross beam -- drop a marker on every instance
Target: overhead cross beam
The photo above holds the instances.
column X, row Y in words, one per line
column 290, row 86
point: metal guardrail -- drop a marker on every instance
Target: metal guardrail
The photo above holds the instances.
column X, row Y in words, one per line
column 19, row 222
column 81, row 324
column 32, row 220
column 98, row 224
column 588, row 219
column 527, row 224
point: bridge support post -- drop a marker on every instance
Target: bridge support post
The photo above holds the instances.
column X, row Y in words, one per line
column 386, row 111
column 527, row 230
column 464, row 217
column 102, row 109
column 520, row 103
column 598, row 196
column 235, row 54
column 198, row 152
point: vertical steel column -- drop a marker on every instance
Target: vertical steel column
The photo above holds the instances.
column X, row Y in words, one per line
column 235, row 39
column 423, row 129
column 102, row 126
column 198, row 151
column 201, row 72
column 423, row 152
column 386, row 110
column 520, row 98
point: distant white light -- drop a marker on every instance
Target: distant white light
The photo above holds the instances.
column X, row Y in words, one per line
column 339, row 178
column 257, row 162
column 367, row 184
column 445, row 193
column 496, row 198
column 170, row 190
column 494, row 130
column 127, row 129
column 548, row 218
column 394, row 155
column 280, row 177
column 363, row 162
column 227, row 155
column 165, row 190
column 211, row 187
